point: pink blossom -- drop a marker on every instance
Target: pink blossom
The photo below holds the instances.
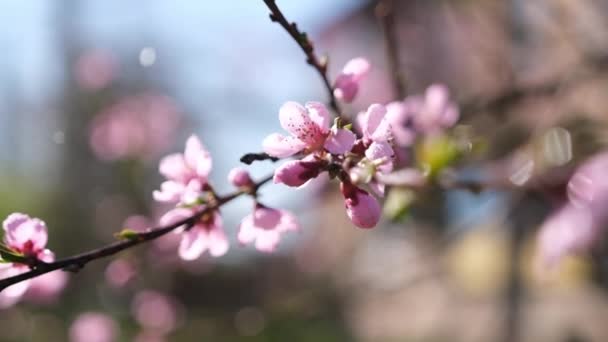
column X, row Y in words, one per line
column 310, row 131
column 239, row 177
column 265, row 226
column 206, row 235
column 12, row 294
column 186, row 173
column 348, row 81
column 399, row 115
column 155, row 311
column 576, row 227
column 362, row 208
column 94, row 327
column 46, row 288
column 296, row 173
column 374, row 124
column 139, row 126
column 434, row 111
column 26, row 235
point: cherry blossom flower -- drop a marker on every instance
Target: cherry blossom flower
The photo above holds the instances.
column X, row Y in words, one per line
column 310, row 132
column 348, row 81
column 186, row 173
column 207, row 234
column 399, row 116
column 362, row 208
column 265, row 226
column 26, row 235
column 374, row 124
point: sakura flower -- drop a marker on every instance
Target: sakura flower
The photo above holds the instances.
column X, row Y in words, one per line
column 347, row 83
column 207, row 234
column 296, row 173
column 239, row 177
column 12, row 294
column 362, row 208
column 310, row 132
column 433, row 111
column 265, row 226
column 186, row 173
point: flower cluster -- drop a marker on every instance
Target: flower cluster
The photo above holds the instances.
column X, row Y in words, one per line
column 386, row 131
column 25, row 241
column 188, row 187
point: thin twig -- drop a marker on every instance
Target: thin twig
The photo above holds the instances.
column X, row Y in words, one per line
column 306, row 45
column 76, row 262
column 385, row 12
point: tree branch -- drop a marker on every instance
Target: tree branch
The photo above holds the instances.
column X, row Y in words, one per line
column 76, row 262
column 385, row 12
column 306, row 45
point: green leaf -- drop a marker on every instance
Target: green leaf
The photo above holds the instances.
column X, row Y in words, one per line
column 127, row 234
column 398, row 203
column 437, row 152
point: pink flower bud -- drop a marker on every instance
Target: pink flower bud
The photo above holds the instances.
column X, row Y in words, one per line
column 239, row 177
column 346, row 86
column 362, row 208
column 297, row 172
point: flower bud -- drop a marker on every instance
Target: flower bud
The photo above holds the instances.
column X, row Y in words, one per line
column 239, row 177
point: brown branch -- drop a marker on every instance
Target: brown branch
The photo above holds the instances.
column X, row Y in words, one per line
column 385, row 12
column 76, row 262
column 306, row 45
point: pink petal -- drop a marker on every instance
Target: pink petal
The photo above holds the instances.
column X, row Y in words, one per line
column 375, row 125
column 175, row 215
column 266, row 218
column 345, row 88
column 280, row 146
column 267, row 240
column 174, row 167
column 398, row 115
column 358, row 67
column 170, row 191
column 28, row 236
column 436, row 97
column 218, row 243
column 377, row 188
column 13, row 293
column 197, row 157
column 296, row 120
column 319, row 115
column 381, row 151
column 194, row 242
column 288, row 222
column 247, row 231
column 340, row 141
column 295, row 173
column 239, row 177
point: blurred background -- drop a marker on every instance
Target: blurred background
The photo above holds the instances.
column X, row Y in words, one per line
column 94, row 93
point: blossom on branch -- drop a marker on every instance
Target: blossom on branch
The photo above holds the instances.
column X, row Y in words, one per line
column 347, row 83
column 265, row 226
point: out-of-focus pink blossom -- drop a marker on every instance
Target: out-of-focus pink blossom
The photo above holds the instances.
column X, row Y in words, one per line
column 576, row 226
column 186, row 173
column 12, row 294
column 139, row 126
column 362, row 208
column 434, row 111
column 46, row 288
column 399, row 117
column 119, row 273
column 239, row 177
column 310, row 131
column 95, row 69
column 94, row 327
column 296, row 173
column 155, row 311
column 265, row 227
column 348, row 81
column 207, row 234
